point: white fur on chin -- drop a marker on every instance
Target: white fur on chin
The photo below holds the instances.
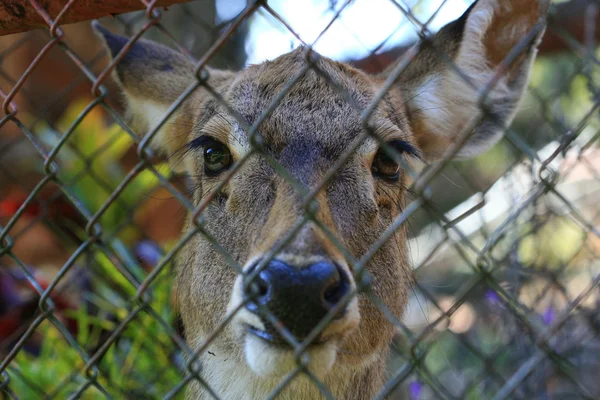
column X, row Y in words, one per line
column 270, row 361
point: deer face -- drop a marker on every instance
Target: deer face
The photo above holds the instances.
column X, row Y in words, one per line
column 299, row 248
column 254, row 212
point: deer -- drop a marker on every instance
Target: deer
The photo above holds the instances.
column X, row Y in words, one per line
column 418, row 113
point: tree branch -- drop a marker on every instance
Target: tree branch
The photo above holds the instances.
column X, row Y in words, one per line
column 21, row 15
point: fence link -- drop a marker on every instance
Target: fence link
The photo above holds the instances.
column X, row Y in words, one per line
column 503, row 248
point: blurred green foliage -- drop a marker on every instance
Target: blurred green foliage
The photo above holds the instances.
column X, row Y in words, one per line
column 90, row 166
column 142, row 363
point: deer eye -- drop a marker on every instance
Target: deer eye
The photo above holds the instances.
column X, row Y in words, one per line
column 217, row 157
column 385, row 166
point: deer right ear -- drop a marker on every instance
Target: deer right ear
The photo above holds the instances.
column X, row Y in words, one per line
column 442, row 98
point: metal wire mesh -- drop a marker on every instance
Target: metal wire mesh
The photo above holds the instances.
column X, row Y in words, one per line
column 504, row 249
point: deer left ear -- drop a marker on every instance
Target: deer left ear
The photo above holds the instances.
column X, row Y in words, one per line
column 152, row 77
column 148, row 70
column 443, row 98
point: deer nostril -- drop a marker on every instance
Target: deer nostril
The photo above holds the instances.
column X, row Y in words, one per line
column 260, row 287
column 334, row 292
column 257, row 291
column 257, row 287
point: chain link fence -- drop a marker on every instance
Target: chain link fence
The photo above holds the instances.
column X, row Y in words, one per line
column 504, row 248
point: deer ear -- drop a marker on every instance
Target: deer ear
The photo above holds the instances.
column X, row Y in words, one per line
column 148, row 70
column 152, row 77
column 444, row 98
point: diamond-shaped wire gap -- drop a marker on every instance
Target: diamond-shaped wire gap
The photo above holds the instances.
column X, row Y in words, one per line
column 427, row 335
column 53, row 367
column 435, row 285
column 22, row 383
column 47, row 215
column 407, row 10
column 572, row 211
column 157, row 219
column 572, row 43
column 39, row 150
column 442, row 197
column 143, row 361
column 274, row 29
column 62, row 73
column 26, row 45
column 21, row 299
column 71, row 93
column 561, row 110
column 380, row 56
column 339, row 25
column 579, row 165
column 451, row 363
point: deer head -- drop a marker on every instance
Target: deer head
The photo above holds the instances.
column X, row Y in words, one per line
column 308, row 111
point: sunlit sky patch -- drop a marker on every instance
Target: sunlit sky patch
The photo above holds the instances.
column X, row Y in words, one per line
column 362, row 27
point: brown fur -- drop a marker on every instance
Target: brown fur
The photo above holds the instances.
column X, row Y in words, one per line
column 306, row 133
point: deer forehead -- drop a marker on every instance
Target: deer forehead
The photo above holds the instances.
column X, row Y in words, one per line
column 318, row 110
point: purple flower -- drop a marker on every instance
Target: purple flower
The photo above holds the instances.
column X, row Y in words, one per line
column 9, row 295
column 415, row 388
column 549, row 315
column 492, row 297
column 148, row 251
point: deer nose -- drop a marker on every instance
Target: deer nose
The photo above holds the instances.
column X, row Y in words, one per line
column 298, row 297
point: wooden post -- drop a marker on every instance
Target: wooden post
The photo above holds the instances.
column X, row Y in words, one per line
column 23, row 15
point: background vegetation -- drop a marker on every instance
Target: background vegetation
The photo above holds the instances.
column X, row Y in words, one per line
column 473, row 323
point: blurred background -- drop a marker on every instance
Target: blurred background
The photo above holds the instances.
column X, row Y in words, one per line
column 505, row 252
